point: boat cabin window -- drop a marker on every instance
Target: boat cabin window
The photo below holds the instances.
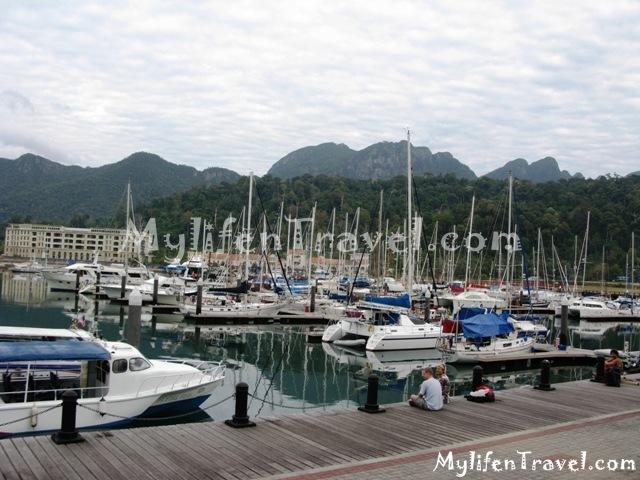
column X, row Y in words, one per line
column 138, row 363
column 119, row 366
column 102, row 370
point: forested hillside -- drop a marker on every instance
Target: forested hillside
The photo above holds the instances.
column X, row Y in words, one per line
column 559, row 209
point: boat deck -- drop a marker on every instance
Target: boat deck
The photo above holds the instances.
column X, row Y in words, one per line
column 304, row 442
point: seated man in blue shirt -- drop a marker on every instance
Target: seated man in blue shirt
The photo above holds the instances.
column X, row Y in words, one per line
column 430, row 396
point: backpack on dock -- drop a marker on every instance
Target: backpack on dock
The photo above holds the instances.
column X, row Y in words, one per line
column 482, row 394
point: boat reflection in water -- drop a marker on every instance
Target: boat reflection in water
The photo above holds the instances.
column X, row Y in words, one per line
column 285, row 373
column 402, row 370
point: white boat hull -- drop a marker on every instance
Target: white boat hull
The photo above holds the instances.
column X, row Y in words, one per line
column 405, row 338
column 467, row 352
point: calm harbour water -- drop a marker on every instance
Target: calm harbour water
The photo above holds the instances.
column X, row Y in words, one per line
column 285, row 374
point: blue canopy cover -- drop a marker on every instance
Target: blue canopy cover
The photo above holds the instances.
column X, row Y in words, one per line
column 55, row 350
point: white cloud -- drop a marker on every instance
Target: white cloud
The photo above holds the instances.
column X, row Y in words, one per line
column 241, row 84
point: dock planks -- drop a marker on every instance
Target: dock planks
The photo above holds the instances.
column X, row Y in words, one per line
column 304, row 441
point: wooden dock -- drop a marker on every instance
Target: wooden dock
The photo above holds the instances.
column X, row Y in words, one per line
column 304, row 441
column 299, row 319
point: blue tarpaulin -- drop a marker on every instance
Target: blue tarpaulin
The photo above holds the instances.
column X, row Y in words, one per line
column 486, row 325
column 403, row 301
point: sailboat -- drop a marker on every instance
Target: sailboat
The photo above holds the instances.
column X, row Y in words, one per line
column 475, row 334
column 389, row 325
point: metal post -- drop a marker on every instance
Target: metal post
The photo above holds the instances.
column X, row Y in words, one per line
column 98, row 283
column 199, row 297
column 156, row 281
column 312, row 302
column 123, row 287
column 545, row 372
column 477, row 378
column 133, row 320
column 599, row 377
column 372, row 396
column 564, row 320
column 241, row 419
column 427, row 309
column 68, row 432
column 77, row 280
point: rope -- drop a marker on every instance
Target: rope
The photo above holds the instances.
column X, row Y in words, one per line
column 28, row 417
column 155, row 419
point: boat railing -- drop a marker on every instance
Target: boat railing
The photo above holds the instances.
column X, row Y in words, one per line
column 175, row 381
column 205, row 366
column 30, row 393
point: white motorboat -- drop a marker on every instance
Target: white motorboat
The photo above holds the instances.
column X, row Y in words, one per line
column 407, row 333
column 170, row 290
column 526, row 326
column 114, row 382
column 71, row 278
column 83, row 277
column 598, row 309
column 13, row 334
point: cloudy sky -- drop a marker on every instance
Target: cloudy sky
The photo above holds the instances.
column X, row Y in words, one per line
column 240, row 84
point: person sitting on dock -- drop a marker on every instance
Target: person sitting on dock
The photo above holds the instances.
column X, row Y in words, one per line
column 430, row 395
column 613, row 369
column 445, row 383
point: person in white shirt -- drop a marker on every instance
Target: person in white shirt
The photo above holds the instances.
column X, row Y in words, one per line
column 430, row 395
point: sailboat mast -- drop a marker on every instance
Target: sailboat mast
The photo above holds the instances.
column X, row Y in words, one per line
column 246, row 268
column 586, row 246
column 126, row 233
column 409, row 218
column 468, row 265
column 510, row 251
column 313, row 221
column 379, row 256
column 633, row 258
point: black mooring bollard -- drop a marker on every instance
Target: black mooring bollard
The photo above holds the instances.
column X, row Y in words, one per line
column 545, row 372
column 599, row 377
column 372, row 396
column 477, row 378
column 68, row 432
column 241, row 419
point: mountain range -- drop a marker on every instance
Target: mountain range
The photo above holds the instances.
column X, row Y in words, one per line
column 388, row 159
column 45, row 190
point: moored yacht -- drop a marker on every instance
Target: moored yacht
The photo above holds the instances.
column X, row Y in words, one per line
column 114, row 382
column 485, row 334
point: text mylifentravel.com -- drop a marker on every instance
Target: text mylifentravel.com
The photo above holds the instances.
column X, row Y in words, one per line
column 527, row 461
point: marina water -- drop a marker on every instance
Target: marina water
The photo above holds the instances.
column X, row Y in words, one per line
column 285, row 373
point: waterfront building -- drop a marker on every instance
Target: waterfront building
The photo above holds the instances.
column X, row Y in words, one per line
column 54, row 242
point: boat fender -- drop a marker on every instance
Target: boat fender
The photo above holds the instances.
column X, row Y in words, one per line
column 371, row 328
column 34, row 416
column 102, row 407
